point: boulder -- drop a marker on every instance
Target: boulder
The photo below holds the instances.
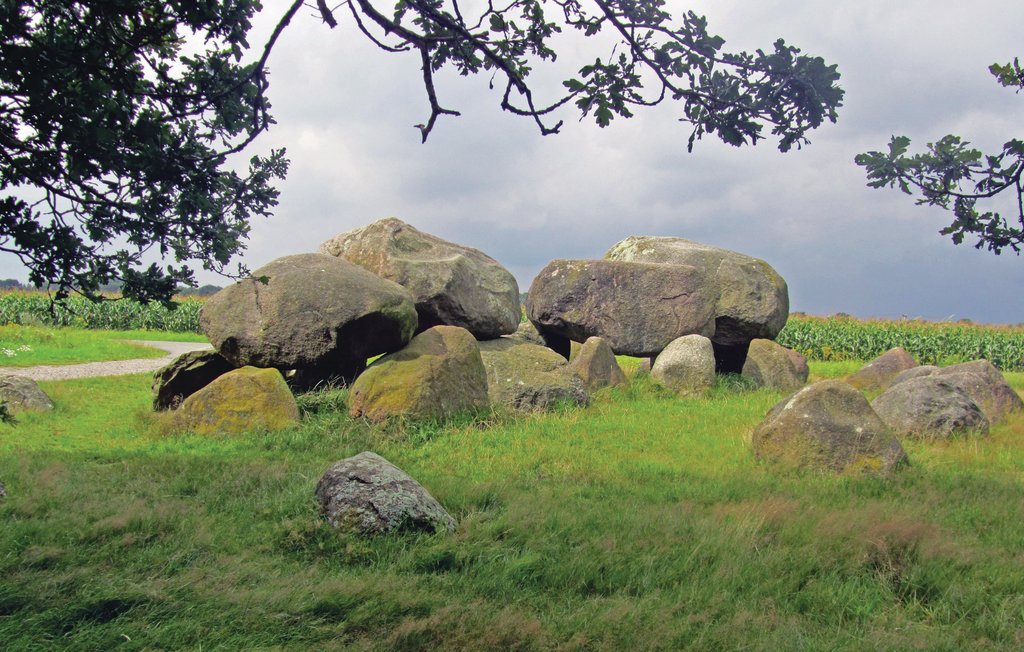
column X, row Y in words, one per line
column 751, row 298
column 308, row 311
column 22, row 394
column 986, row 386
column 240, row 401
column 638, row 308
column 451, row 284
column 528, row 333
column 186, row 375
column 914, row 372
column 771, row 365
column 596, row 365
column 880, row 372
column 799, row 360
column 828, row 426
column 929, row 407
column 369, row 495
column 525, row 376
column 440, row 372
column 686, row 366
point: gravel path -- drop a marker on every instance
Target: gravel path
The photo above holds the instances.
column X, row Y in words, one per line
column 112, row 368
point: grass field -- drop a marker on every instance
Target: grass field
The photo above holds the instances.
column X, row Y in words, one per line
column 641, row 522
column 25, row 346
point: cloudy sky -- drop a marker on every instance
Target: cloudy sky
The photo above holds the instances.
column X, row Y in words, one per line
column 488, row 179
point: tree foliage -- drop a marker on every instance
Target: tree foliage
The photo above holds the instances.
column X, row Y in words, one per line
column 119, row 119
column 953, row 175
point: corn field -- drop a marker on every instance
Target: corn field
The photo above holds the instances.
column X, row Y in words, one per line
column 838, row 338
column 35, row 308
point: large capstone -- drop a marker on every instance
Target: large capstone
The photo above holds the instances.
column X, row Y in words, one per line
column 752, row 300
column 828, row 426
column 637, row 308
column 309, row 311
column 369, row 495
column 452, row 284
column 439, row 373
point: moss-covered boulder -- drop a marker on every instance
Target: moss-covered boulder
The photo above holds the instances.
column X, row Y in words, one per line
column 596, row 365
column 930, row 407
column 369, row 495
column 186, row 375
column 828, row 426
column 526, row 376
column 638, row 308
column 772, row 365
column 440, row 372
column 686, row 366
column 239, row 401
column 880, row 372
column 452, row 284
column 309, row 311
column 21, row 394
column 751, row 298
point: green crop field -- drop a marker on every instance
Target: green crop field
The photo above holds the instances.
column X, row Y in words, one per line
column 640, row 522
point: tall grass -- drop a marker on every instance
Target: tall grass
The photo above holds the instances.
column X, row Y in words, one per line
column 642, row 522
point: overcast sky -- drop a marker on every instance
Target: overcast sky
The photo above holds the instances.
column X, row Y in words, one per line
column 488, row 179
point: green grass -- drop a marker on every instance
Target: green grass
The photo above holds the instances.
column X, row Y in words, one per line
column 642, row 522
column 25, row 346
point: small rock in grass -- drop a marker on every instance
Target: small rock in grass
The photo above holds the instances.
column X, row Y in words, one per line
column 596, row 365
column 930, row 407
column 880, row 372
column 686, row 366
column 370, row 495
column 23, row 394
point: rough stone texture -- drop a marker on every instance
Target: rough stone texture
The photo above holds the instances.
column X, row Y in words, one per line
column 686, row 365
column 186, row 375
column 752, row 299
column 438, row 373
column 528, row 333
column 799, row 361
column 596, row 365
column 828, row 426
column 525, row 376
column 644, row 367
column 451, row 284
column 770, row 365
column 239, row 401
column 638, row 308
column 880, row 372
column 23, row 394
column 914, row 372
column 986, row 385
column 929, row 407
column 370, row 495
column 314, row 311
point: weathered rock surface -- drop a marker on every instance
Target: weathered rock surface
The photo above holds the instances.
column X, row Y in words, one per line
column 772, row 365
column 525, row 376
column 985, row 384
column 370, row 495
column 23, row 394
column 313, row 311
column 596, row 365
column 828, row 426
column 440, row 372
column 638, row 308
column 239, row 401
column 451, row 284
column 914, row 372
column 799, row 361
column 752, row 299
column 686, row 366
column 930, row 407
column 528, row 333
column 880, row 372
column 186, row 375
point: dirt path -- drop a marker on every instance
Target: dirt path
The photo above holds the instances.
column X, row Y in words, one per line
column 112, row 368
